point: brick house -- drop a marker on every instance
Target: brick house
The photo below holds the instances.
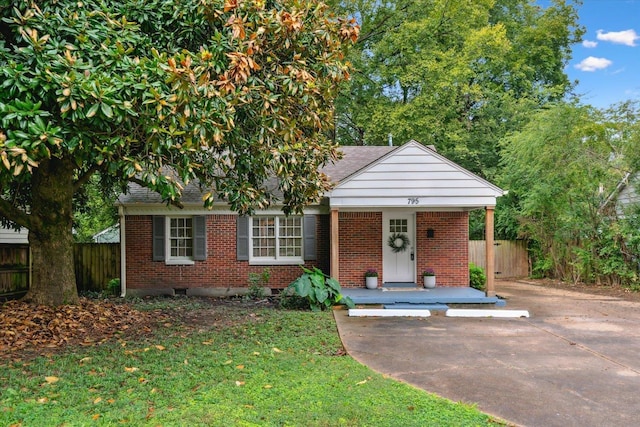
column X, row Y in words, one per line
column 398, row 210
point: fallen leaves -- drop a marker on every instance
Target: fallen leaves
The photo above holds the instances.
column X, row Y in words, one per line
column 51, row 380
column 31, row 326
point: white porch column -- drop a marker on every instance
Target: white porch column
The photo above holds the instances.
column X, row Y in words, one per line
column 489, row 251
column 335, row 245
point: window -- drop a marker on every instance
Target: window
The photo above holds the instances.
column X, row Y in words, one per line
column 397, row 225
column 276, row 238
column 180, row 238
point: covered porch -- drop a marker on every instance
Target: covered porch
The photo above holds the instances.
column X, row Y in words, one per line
column 402, row 212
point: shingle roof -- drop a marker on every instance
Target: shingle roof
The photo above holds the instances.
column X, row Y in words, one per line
column 353, row 160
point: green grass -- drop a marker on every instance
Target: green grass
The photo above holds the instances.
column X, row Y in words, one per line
column 271, row 368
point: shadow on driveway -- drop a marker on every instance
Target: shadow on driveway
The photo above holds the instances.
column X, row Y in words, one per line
column 574, row 362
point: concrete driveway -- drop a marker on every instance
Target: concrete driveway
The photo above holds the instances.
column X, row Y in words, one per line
column 574, row 362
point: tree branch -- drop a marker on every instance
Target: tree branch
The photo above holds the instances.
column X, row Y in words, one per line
column 15, row 214
column 82, row 180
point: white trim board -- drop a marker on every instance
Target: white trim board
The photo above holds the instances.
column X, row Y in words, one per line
column 385, row 312
column 464, row 312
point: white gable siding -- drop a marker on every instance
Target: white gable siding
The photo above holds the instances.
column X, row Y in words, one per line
column 11, row 236
column 414, row 176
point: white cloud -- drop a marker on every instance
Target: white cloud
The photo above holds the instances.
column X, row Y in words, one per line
column 626, row 37
column 589, row 44
column 592, row 63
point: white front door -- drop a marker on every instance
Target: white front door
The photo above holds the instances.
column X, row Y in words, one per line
column 398, row 244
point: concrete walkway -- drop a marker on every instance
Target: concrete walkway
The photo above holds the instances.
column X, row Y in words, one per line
column 574, row 362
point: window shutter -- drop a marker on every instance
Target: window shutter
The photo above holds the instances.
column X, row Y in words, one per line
column 200, row 238
column 242, row 238
column 159, row 232
column 309, row 234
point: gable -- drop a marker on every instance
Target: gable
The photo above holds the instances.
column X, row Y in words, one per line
column 415, row 176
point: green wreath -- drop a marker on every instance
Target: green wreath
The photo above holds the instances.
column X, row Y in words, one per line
column 398, row 242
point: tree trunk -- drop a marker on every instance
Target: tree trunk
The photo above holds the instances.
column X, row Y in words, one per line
column 53, row 280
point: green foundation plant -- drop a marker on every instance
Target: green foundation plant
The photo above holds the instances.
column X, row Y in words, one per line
column 320, row 290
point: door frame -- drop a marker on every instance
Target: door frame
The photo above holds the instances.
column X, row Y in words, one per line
column 411, row 216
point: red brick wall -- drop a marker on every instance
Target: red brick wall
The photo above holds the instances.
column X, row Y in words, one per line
column 360, row 250
column 220, row 269
column 448, row 251
column 360, row 246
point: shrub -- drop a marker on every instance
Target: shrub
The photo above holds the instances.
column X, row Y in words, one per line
column 257, row 283
column 320, row 290
column 477, row 277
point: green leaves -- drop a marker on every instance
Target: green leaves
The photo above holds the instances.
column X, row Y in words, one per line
column 560, row 169
column 320, row 290
column 165, row 93
column 455, row 74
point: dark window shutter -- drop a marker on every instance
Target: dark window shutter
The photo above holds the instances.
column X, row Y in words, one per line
column 159, row 231
column 200, row 238
column 242, row 238
column 309, row 234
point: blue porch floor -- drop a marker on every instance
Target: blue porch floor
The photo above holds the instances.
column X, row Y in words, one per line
column 419, row 296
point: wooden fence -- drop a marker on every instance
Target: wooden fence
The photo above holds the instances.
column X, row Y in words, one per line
column 96, row 265
column 511, row 257
column 14, row 269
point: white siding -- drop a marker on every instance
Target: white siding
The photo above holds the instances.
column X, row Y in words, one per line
column 414, row 176
column 8, row 235
column 628, row 197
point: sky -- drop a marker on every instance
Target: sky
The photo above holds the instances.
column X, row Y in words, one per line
column 607, row 62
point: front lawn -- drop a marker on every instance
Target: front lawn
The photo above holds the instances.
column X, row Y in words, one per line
column 222, row 365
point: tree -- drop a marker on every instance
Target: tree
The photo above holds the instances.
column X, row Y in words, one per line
column 559, row 170
column 161, row 93
column 455, row 73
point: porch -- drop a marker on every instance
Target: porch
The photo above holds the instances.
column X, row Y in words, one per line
column 415, row 298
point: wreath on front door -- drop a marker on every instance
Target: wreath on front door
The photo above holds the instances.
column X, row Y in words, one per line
column 398, row 242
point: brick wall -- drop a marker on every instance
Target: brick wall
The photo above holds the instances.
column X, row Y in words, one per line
column 360, row 249
column 448, row 251
column 220, row 269
column 360, row 246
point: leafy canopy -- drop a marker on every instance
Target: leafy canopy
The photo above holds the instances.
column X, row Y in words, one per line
column 229, row 93
column 458, row 74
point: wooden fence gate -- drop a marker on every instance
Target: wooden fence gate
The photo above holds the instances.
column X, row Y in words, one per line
column 511, row 257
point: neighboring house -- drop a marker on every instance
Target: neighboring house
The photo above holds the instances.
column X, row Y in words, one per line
column 623, row 196
column 628, row 194
column 108, row 235
column 14, row 237
column 409, row 192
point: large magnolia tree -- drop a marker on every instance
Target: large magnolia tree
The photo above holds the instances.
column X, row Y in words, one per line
column 160, row 92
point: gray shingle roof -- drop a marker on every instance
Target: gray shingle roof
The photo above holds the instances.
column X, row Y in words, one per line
column 353, row 160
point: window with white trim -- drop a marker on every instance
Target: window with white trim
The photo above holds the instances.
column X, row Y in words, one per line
column 179, row 239
column 276, row 238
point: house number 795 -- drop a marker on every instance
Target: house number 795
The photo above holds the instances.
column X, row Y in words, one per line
column 413, row 201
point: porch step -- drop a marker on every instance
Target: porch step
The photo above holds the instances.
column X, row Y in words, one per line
column 409, row 306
